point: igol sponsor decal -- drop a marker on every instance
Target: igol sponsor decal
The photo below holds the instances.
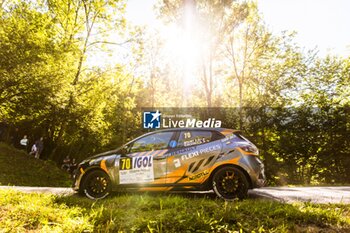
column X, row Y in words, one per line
column 135, row 163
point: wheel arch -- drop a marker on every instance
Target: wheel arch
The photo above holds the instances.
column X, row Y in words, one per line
column 92, row 169
column 210, row 179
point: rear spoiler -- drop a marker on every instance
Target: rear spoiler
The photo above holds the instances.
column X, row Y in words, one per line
column 226, row 132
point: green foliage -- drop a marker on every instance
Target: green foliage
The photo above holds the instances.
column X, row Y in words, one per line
column 302, row 145
column 30, row 75
column 17, row 168
column 166, row 213
column 45, row 88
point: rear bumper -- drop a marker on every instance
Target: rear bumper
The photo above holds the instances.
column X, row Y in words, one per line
column 257, row 174
column 261, row 181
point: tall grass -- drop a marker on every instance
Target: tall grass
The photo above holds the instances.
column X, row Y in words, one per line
column 165, row 213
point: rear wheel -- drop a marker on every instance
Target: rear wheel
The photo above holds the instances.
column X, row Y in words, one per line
column 230, row 183
column 96, row 185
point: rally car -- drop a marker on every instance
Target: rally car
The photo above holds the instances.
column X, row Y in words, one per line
column 181, row 159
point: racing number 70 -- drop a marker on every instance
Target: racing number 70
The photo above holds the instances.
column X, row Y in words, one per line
column 125, row 164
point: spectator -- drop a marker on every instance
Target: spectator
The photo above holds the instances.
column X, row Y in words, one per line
column 39, row 147
column 66, row 163
column 24, row 143
column 33, row 150
column 72, row 167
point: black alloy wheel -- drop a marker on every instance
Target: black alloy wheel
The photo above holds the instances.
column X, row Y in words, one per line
column 230, row 183
column 96, row 185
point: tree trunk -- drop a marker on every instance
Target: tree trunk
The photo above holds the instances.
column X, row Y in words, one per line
column 240, row 126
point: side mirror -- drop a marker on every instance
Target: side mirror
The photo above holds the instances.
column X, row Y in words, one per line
column 124, row 150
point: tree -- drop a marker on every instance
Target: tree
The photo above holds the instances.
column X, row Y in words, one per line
column 159, row 73
column 47, row 89
column 207, row 23
column 30, row 64
column 78, row 21
column 262, row 66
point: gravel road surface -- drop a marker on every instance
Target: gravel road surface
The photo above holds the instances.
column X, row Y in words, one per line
column 335, row 194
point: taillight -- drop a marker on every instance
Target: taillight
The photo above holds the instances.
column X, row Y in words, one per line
column 250, row 148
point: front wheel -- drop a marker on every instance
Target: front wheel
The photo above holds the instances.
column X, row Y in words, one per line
column 230, row 183
column 96, row 185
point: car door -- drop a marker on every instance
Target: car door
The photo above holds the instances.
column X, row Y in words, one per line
column 195, row 151
column 144, row 163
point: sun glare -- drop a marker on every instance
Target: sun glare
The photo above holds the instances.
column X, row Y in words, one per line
column 184, row 46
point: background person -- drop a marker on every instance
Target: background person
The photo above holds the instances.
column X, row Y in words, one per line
column 66, row 163
column 33, row 150
column 39, row 147
column 73, row 165
column 24, row 143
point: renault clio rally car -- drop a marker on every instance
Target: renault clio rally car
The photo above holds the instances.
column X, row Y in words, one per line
column 181, row 159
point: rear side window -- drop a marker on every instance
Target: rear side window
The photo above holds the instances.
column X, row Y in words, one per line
column 191, row 138
column 157, row 141
column 217, row 136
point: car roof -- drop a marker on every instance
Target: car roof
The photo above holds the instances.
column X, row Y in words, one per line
column 224, row 131
column 220, row 130
column 189, row 128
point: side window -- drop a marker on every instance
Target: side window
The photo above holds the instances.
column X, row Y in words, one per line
column 157, row 141
column 217, row 136
column 191, row 138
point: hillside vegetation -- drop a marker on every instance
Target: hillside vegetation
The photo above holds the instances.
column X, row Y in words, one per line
column 17, row 168
column 21, row 212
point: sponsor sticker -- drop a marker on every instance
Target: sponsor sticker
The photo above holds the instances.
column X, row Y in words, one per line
column 199, row 175
column 136, row 170
column 192, row 153
column 200, row 152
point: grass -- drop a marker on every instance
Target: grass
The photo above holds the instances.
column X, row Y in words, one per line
column 17, row 168
column 21, row 212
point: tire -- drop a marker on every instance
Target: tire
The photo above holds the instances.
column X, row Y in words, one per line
column 96, row 185
column 230, row 183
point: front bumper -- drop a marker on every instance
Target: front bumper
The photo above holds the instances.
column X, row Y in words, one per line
column 78, row 174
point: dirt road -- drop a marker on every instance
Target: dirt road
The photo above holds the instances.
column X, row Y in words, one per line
column 336, row 194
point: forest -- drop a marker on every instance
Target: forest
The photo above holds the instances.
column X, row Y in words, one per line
column 79, row 74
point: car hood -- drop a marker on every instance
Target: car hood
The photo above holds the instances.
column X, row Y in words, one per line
column 103, row 154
